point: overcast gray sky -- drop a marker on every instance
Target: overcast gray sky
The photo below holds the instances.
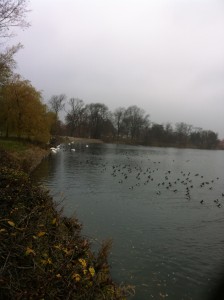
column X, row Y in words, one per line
column 165, row 56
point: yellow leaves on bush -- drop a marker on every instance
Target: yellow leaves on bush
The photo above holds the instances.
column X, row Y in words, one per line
column 76, row 277
column 30, row 251
column 46, row 261
column 58, row 275
column 2, row 230
column 83, row 262
column 67, row 252
column 92, row 271
column 41, row 233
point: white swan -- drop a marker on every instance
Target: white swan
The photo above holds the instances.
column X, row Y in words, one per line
column 54, row 150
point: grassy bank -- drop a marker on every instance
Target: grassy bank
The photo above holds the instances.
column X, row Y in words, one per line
column 43, row 254
column 24, row 155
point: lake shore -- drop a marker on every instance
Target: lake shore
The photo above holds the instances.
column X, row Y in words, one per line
column 43, row 253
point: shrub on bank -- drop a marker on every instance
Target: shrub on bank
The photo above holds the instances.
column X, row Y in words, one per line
column 43, row 254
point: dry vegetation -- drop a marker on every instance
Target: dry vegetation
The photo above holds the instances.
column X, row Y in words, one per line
column 43, row 254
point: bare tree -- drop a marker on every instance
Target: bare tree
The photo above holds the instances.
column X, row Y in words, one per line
column 56, row 103
column 75, row 116
column 12, row 14
column 97, row 114
column 118, row 119
column 135, row 120
column 183, row 132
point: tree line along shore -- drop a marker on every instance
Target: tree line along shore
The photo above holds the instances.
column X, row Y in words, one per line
column 43, row 254
column 24, row 114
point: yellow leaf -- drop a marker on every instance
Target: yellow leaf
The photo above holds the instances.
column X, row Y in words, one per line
column 58, row 275
column 41, row 233
column 29, row 251
column 82, row 262
column 67, row 252
column 47, row 261
column 2, row 230
column 11, row 223
column 57, row 247
column 92, row 271
column 54, row 221
column 84, row 271
column 76, row 277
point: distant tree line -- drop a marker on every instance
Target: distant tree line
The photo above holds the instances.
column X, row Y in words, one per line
column 125, row 125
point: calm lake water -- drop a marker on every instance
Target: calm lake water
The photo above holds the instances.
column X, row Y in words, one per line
column 162, row 207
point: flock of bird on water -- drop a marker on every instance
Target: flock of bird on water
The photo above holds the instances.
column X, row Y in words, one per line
column 140, row 174
column 61, row 146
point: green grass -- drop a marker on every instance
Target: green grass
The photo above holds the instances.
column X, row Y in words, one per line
column 13, row 145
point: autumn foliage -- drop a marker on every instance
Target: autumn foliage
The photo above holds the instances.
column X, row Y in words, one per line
column 22, row 112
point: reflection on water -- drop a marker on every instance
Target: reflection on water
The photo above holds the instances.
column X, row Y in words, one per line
column 162, row 207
